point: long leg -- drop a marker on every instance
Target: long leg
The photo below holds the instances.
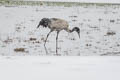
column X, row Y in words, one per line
column 47, row 37
column 46, row 40
column 57, row 42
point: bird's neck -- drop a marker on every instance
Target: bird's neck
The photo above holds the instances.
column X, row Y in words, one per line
column 72, row 30
column 69, row 30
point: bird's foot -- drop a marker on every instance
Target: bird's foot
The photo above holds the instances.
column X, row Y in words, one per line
column 72, row 38
column 57, row 54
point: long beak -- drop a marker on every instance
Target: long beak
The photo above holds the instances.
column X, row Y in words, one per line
column 79, row 35
column 38, row 25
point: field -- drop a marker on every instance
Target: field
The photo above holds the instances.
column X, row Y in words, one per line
column 99, row 25
column 22, row 52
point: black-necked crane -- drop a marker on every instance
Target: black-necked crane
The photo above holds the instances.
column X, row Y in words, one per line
column 56, row 24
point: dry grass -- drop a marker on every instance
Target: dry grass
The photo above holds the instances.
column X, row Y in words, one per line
column 19, row 49
column 33, row 39
column 111, row 33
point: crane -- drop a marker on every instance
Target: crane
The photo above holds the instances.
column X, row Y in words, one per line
column 56, row 24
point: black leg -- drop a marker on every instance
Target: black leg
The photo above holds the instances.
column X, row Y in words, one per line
column 57, row 42
column 46, row 40
column 47, row 37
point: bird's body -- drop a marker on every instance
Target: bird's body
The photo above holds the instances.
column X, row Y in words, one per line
column 56, row 24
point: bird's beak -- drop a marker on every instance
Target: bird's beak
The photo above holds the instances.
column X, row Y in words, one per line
column 79, row 35
column 38, row 25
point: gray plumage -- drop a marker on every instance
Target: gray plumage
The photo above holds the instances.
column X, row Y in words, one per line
column 56, row 24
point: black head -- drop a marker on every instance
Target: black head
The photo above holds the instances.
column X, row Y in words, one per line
column 77, row 30
column 44, row 22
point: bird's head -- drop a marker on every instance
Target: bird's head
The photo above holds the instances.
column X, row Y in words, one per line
column 77, row 30
column 44, row 22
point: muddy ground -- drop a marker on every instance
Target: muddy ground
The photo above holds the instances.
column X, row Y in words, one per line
column 99, row 25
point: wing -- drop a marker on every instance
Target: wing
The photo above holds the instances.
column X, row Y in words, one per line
column 57, row 23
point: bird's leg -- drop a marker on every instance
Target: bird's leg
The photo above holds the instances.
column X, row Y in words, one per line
column 47, row 37
column 57, row 42
column 46, row 40
column 46, row 50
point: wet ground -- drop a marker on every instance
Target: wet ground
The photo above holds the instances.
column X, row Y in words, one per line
column 99, row 25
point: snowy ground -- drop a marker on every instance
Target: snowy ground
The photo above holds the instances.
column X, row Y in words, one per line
column 59, row 68
column 99, row 26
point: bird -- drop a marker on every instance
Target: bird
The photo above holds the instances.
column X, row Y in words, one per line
column 56, row 24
